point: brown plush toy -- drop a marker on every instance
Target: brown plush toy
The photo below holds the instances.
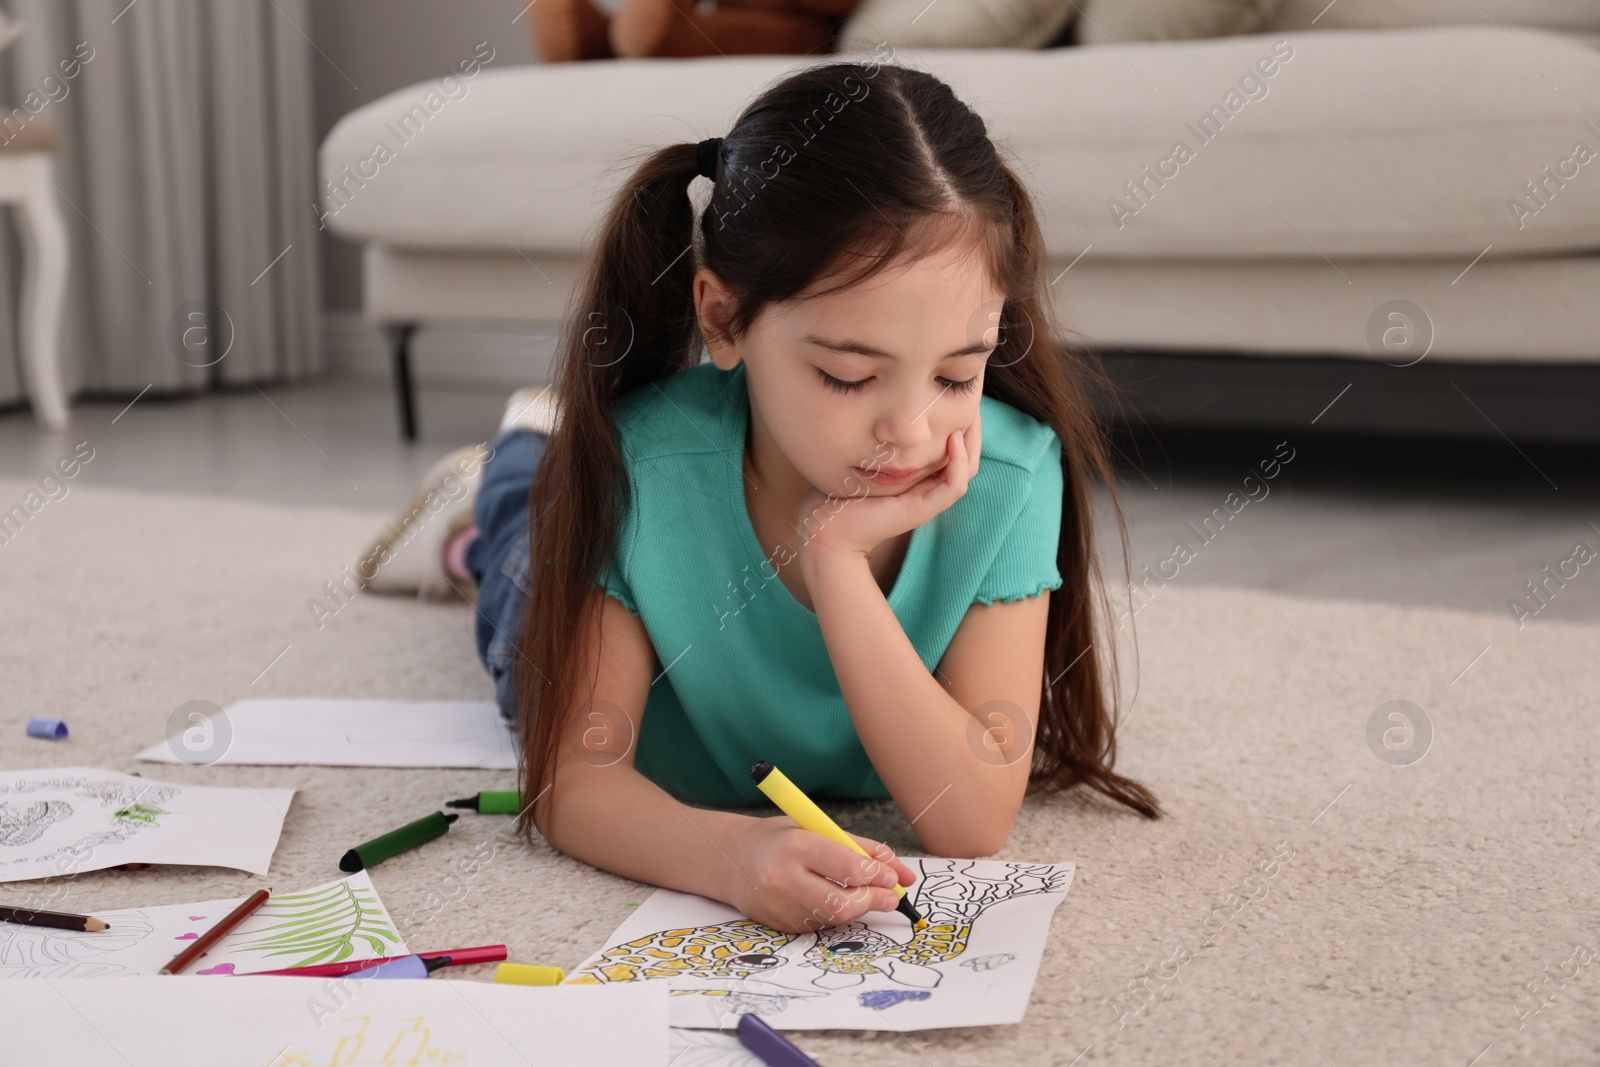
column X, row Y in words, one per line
column 565, row 30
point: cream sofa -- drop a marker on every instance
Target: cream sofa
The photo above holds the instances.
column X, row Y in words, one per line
column 1360, row 194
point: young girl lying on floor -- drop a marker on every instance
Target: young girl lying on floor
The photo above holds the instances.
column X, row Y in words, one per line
column 789, row 553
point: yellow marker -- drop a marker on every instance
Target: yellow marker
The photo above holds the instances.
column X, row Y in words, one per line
column 528, row 974
column 804, row 812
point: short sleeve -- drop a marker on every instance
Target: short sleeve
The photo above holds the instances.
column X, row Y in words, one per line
column 612, row 578
column 1025, row 566
column 616, row 585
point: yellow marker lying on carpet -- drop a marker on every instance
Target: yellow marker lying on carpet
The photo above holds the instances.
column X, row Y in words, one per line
column 803, row 811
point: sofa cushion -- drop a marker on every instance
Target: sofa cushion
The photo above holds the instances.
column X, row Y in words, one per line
column 1572, row 15
column 1358, row 143
column 919, row 24
column 1105, row 21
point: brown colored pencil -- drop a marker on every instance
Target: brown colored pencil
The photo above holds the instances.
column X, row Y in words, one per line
column 216, row 933
column 59, row 919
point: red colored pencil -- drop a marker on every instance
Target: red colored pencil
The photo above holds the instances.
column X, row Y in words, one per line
column 198, row 947
column 458, row 957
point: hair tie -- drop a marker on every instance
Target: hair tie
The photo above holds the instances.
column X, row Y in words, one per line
column 705, row 157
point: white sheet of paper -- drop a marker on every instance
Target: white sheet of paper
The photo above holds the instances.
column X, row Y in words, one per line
column 709, row 1048
column 355, row 733
column 187, row 1021
column 973, row 965
column 67, row 820
column 337, row 921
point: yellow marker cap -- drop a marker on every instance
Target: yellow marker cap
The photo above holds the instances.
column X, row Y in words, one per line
column 528, row 974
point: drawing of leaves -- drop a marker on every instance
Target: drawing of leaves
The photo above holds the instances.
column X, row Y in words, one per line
column 323, row 927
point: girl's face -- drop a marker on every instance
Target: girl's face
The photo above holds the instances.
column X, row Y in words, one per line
column 835, row 410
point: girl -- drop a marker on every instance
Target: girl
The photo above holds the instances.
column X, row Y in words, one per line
column 833, row 546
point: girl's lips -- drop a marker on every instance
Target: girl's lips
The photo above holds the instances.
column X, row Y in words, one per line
column 888, row 475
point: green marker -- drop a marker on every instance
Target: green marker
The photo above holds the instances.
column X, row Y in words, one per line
column 489, row 802
column 397, row 841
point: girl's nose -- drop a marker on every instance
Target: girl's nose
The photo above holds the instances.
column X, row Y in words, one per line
column 905, row 426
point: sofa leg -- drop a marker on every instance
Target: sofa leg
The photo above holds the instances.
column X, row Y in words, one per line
column 399, row 335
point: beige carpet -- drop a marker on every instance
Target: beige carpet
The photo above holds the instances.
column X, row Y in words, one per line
column 1414, row 909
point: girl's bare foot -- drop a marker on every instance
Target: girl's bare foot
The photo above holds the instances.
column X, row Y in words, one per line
column 567, row 30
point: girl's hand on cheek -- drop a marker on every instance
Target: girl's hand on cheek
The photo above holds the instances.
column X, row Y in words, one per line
column 857, row 524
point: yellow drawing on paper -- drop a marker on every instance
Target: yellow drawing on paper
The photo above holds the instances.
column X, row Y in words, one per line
column 374, row 1046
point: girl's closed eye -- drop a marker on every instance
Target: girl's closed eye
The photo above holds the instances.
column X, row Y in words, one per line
column 841, row 386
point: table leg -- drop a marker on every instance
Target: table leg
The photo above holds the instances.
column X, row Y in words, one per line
column 42, row 234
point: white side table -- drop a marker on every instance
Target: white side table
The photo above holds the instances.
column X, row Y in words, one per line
column 27, row 163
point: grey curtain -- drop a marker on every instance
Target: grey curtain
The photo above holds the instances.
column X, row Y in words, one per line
column 187, row 167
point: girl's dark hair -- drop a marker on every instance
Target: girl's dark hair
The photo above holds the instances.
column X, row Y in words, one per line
column 836, row 169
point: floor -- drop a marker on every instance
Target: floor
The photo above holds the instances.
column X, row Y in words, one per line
column 1316, row 895
column 1338, row 879
column 1463, row 525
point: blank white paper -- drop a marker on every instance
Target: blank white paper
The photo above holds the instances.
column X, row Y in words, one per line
column 355, row 733
column 184, row 1021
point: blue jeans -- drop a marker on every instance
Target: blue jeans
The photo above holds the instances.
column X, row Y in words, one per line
column 498, row 558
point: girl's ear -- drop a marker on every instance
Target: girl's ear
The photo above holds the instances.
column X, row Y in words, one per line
column 712, row 305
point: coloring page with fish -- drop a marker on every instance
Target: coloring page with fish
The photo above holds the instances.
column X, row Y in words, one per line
column 974, row 964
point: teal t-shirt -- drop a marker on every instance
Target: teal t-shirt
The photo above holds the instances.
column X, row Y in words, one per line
column 742, row 673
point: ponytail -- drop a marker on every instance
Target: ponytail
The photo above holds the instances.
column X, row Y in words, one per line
column 632, row 323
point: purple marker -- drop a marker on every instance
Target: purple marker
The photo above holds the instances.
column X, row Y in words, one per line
column 774, row 1049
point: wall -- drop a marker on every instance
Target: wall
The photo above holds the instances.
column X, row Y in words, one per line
column 369, row 48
